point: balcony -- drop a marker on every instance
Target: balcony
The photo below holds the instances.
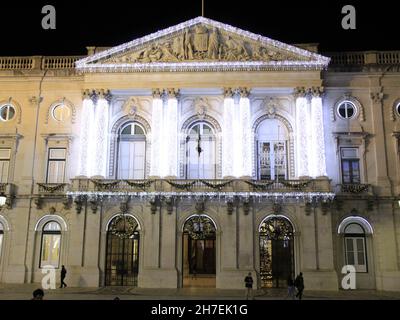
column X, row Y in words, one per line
column 210, row 188
column 350, row 189
column 52, row 189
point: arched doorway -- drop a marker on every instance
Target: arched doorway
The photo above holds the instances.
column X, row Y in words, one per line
column 199, row 248
column 122, row 252
column 276, row 252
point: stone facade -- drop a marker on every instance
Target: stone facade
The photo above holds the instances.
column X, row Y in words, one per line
column 200, row 60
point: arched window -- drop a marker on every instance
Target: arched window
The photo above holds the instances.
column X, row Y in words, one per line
column 131, row 152
column 50, row 245
column 272, row 146
column 355, row 247
column 201, row 152
column 1, row 237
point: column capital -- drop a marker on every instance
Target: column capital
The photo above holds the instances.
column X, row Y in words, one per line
column 173, row 93
column 317, row 92
column 300, row 92
column 157, row 93
column 104, row 94
column 228, row 93
column 244, row 92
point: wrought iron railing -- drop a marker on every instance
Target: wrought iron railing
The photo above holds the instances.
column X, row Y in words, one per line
column 354, row 188
column 52, row 188
column 199, row 185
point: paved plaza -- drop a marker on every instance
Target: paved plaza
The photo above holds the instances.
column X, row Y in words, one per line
column 24, row 292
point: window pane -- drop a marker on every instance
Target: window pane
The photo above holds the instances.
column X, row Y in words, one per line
column 4, row 166
column 342, row 111
column 7, row 112
column 61, row 112
column 52, row 226
column 349, row 153
column 1, row 242
column 56, row 172
column 350, row 251
column 360, row 251
column 5, row 154
column 195, row 130
column 354, row 228
column 138, row 130
column 57, row 153
column 127, row 129
column 50, row 250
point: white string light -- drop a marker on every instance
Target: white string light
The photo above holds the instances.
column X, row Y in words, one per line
column 90, row 64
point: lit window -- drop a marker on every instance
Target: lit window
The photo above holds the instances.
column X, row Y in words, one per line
column 132, row 152
column 51, row 240
column 355, row 248
column 61, row 112
column 7, row 112
column 347, row 110
column 201, row 152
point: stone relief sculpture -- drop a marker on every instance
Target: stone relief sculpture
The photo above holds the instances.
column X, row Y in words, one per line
column 201, row 43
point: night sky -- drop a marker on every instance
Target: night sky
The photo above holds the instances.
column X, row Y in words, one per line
column 79, row 24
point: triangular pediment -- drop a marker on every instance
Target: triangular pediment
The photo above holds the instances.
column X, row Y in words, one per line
column 202, row 44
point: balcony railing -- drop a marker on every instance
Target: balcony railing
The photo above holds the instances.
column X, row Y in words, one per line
column 52, row 188
column 354, row 188
column 198, row 185
column 361, row 58
column 39, row 63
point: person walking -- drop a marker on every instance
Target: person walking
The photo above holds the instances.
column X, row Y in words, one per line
column 249, row 286
column 299, row 284
column 291, row 289
column 63, row 275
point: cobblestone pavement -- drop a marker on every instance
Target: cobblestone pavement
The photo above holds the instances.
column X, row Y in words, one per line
column 24, row 292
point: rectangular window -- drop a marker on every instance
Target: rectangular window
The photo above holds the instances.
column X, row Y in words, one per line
column 1, row 242
column 350, row 166
column 355, row 253
column 50, row 254
column 5, row 155
column 56, row 165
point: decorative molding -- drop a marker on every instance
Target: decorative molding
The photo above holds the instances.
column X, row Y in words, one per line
column 360, row 113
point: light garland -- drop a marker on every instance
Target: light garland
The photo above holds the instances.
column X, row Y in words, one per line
column 317, row 146
column 85, row 152
column 246, row 136
column 228, row 145
column 275, row 196
column 171, row 142
column 301, row 137
column 86, row 65
column 156, row 136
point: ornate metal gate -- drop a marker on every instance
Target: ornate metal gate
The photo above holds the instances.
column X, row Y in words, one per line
column 276, row 252
column 122, row 255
